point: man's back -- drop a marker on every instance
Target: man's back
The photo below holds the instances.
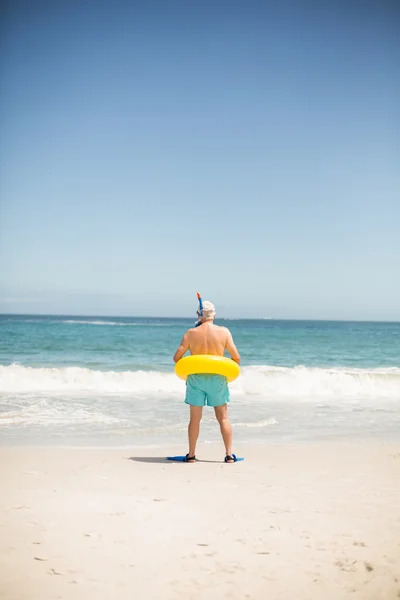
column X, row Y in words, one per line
column 211, row 339
column 207, row 338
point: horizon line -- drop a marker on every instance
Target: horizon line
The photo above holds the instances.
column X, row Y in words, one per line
column 192, row 318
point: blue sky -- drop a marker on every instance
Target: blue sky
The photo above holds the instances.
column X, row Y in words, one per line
column 153, row 149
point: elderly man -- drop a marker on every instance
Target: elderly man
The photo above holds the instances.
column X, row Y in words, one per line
column 212, row 390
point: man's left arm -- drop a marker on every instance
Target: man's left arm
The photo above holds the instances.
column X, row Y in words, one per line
column 184, row 347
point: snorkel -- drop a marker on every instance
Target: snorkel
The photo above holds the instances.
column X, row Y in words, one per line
column 198, row 322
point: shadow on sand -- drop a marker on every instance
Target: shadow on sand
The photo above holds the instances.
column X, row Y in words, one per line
column 163, row 460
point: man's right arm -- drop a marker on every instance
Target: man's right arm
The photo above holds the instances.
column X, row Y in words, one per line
column 230, row 346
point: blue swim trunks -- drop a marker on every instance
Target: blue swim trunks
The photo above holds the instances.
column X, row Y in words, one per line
column 210, row 390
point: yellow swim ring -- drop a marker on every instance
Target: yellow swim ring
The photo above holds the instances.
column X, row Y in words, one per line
column 207, row 364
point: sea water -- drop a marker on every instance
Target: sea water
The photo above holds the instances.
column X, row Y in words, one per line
column 110, row 381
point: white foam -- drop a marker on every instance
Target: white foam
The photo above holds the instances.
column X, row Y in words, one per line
column 47, row 413
column 268, row 382
column 303, row 383
column 19, row 379
column 256, row 424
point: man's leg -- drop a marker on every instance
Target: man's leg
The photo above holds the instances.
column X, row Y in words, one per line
column 221, row 412
column 194, row 428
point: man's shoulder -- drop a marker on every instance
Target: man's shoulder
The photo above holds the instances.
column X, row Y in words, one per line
column 191, row 330
column 222, row 329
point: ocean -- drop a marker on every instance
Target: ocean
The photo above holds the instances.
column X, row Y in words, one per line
column 109, row 381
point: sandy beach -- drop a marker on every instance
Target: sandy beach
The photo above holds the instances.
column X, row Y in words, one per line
column 316, row 521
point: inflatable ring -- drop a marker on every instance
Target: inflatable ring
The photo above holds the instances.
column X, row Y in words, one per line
column 207, row 364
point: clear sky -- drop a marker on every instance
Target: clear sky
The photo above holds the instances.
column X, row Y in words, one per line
column 246, row 150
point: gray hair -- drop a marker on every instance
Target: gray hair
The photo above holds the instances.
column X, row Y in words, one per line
column 208, row 313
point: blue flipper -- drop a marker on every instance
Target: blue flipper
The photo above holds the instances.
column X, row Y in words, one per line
column 235, row 458
column 181, row 458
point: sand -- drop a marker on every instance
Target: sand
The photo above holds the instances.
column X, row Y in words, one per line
column 318, row 521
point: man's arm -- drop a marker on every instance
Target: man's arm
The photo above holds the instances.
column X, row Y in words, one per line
column 230, row 346
column 184, row 347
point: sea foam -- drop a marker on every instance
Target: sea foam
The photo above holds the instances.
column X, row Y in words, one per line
column 268, row 382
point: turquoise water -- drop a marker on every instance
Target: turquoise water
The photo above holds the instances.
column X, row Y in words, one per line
column 109, row 380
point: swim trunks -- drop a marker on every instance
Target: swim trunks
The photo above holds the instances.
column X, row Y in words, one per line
column 210, row 390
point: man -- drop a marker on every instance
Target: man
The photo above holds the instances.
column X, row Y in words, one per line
column 212, row 390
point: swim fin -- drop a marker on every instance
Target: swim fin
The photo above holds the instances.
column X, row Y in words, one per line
column 233, row 458
column 181, row 458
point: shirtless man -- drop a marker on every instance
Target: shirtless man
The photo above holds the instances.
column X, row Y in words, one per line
column 212, row 390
